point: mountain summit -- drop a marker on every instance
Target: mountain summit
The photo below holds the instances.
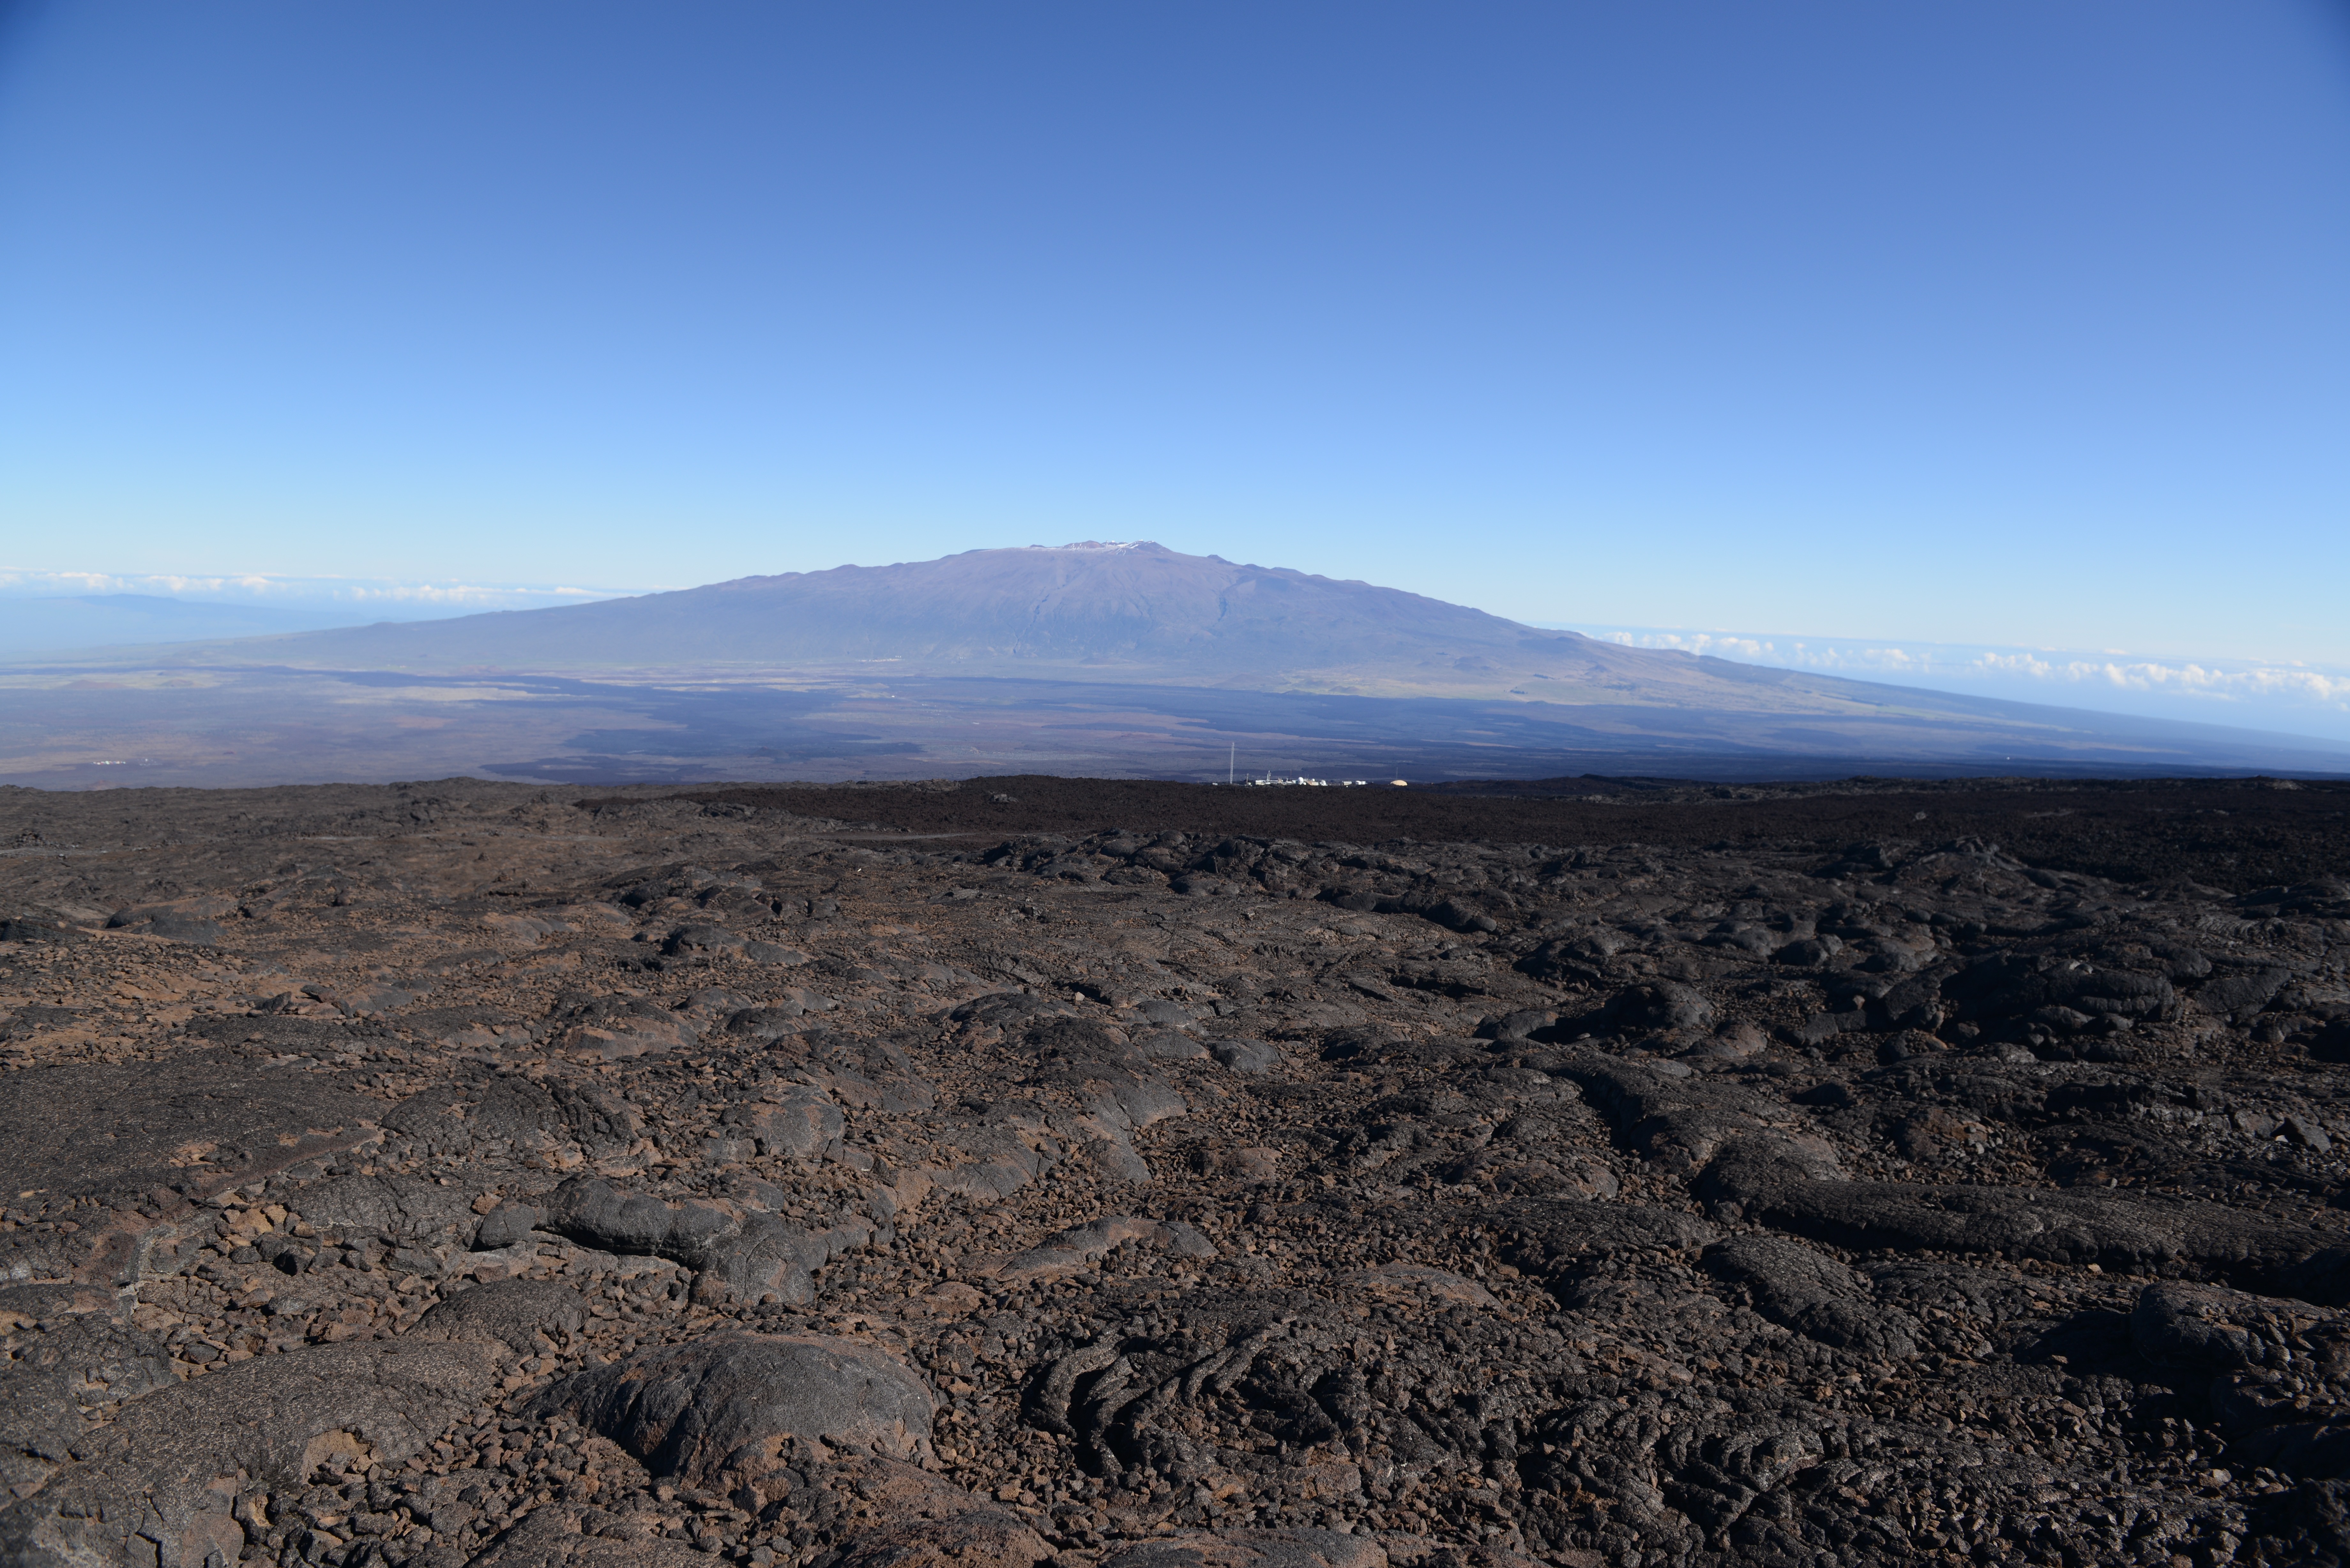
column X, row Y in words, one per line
column 1134, row 612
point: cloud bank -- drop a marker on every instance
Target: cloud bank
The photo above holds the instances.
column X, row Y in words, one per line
column 2303, row 698
column 367, row 598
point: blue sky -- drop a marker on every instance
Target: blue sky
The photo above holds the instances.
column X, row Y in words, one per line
column 1993, row 323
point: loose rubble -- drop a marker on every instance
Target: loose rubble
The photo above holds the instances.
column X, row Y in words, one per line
column 453, row 1173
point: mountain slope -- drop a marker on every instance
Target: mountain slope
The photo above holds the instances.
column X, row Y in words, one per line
column 1132, row 614
column 1126, row 611
column 1117, row 657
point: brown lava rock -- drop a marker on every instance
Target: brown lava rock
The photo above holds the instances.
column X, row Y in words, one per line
column 1600, row 1172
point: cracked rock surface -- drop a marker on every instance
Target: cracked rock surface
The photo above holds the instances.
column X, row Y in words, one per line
column 460, row 1172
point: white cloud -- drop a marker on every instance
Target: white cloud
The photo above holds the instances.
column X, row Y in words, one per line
column 2187, row 679
column 1718, row 645
column 2072, row 677
column 357, row 594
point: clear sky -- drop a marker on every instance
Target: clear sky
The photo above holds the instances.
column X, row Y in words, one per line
column 1982, row 322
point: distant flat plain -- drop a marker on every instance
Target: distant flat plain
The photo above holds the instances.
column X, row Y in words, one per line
column 189, row 723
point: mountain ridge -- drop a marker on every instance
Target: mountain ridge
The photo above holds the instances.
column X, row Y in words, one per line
column 1108, row 658
column 1128, row 612
column 1119, row 608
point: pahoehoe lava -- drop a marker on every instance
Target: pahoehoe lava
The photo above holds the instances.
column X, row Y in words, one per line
column 1150, row 1176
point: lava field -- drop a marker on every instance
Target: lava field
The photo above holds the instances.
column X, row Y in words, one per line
column 1053, row 1172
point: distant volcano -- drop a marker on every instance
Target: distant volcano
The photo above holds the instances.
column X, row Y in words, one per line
column 1127, row 613
column 1119, row 611
column 1108, row 660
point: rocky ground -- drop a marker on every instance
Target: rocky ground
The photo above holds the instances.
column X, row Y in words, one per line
column 466, row 1173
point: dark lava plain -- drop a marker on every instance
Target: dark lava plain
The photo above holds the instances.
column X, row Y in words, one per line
column 2236, row 834
column 1033, row 1170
